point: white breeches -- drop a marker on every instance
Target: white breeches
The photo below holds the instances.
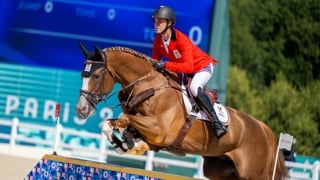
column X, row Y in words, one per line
column 201, row 78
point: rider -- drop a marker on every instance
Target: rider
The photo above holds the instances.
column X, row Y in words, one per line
column 183, row 57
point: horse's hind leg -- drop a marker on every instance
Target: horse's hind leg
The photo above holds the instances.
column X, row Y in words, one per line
column 219, row 168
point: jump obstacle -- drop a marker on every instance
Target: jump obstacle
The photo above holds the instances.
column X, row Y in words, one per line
column 65, row 168
column 53, row 166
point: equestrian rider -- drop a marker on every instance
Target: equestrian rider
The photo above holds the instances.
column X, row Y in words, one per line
column 183, row 57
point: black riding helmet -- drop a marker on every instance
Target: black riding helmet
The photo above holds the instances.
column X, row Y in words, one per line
column 165, row 12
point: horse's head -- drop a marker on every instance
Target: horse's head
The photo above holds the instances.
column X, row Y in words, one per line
column 96, row 81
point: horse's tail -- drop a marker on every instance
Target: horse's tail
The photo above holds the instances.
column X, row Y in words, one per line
column 281, row 169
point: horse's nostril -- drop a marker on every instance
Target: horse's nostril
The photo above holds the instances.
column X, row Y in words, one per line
column 81, row 114
column 83, row 109
column 79, row 110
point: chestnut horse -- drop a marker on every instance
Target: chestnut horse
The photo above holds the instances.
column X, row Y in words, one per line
column 158, row 114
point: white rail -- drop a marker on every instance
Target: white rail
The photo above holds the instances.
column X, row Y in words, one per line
column 103, row 150
column 99, row 153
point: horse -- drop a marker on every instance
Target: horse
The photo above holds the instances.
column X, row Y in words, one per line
column 152, row 104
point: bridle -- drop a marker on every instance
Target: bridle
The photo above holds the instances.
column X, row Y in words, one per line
column 95, row 97
column 92, row 97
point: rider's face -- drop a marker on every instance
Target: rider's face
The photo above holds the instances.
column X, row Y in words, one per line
column 160, row 24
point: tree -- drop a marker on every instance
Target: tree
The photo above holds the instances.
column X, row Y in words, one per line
column 286, row 111
column 281, row 106
column 272, row 36
column 275, row 60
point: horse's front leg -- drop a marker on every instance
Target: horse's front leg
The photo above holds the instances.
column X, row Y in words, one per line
column 108, row 126
column 121, row 124
column 131, row 144
column 132, row 138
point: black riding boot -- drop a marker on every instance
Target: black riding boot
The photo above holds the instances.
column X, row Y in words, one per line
column 219, row 129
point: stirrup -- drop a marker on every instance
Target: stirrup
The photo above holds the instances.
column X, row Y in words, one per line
column 220, row 129
column 220, row 132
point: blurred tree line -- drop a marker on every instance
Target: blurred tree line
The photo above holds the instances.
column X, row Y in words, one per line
column 274, row 71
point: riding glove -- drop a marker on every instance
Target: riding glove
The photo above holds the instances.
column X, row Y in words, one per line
column 158, row 65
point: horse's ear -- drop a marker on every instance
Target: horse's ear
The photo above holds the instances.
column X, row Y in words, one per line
column 83, row 49
column 97, row 52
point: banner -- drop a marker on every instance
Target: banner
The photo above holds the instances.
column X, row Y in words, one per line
column 46, row 33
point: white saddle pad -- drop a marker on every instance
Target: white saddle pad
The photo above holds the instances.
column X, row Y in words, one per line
column 220, row 110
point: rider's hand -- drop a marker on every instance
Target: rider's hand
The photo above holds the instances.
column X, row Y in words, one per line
column 159, row 66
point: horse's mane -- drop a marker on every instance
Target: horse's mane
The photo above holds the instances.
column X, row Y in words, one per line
column 172, row 75
column 130, row 51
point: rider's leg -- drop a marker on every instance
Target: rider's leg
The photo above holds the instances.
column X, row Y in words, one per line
column 202, row 98
column 199, row 80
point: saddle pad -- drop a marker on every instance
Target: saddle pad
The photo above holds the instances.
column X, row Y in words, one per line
column 220, row 109
column 222, row 113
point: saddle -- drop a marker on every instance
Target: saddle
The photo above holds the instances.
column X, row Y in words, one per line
column 211, row 93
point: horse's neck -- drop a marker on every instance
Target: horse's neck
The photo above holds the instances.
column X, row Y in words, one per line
column 127, row 69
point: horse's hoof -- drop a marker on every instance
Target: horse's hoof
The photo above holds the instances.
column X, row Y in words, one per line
column 128, row 139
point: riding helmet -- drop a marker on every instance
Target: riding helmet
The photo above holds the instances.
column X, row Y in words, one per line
column 165, row 12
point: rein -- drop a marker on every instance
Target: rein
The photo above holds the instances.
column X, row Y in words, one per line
column 94, row 98
column 134, row 83
column 137, row 82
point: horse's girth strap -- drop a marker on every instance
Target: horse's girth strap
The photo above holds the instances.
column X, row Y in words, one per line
column 176, row 145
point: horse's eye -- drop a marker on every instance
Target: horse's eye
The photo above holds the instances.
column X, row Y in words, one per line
column 95, row 76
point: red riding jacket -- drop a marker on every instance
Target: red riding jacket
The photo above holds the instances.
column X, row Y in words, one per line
column 183, row 55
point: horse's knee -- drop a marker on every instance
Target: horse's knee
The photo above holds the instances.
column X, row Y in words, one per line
column 131, row 138
column 122, row 121
column 107, row 129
